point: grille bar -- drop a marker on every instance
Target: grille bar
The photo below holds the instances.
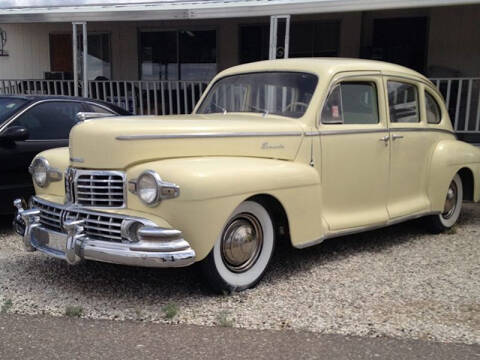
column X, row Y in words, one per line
column 97, row 226
column 99, row 188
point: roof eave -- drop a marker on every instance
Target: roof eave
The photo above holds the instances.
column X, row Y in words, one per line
column 208, row 10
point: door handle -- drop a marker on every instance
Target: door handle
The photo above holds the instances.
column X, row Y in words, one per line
column 395, row 137
column 385, row 139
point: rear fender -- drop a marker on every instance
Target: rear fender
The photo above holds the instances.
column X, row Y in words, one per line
column 449, row 157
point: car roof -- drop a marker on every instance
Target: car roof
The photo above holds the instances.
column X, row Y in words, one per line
column 34, row 98
column 324, row 66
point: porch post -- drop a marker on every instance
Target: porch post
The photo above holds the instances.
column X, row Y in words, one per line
column 84, row 58
column 74, row 49
column 272, row 53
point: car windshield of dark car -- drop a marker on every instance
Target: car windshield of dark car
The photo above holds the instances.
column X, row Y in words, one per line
column 280, row 93
column 8, row 106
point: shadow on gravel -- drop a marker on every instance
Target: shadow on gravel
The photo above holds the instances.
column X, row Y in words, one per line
column 6, row 224
column 154, row 285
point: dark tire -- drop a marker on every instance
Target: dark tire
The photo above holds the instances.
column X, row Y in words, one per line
column 242, row 252
column 453, row 206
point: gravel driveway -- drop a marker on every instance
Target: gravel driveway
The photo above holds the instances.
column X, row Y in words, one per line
column 399, row 281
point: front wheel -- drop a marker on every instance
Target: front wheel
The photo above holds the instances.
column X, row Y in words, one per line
column 451, row 210
column 243, row 251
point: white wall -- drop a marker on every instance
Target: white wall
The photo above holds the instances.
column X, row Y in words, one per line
column 28, row 48
column 454, row 40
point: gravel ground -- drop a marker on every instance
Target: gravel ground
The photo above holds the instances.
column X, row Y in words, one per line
column 399, row 281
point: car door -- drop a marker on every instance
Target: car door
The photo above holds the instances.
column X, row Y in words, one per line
column 48, row 124
column 354, row 153
column 411, row 146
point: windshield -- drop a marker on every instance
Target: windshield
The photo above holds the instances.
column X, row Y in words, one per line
column 279, row 93
column 8, row 106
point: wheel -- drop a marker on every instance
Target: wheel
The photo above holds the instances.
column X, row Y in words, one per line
column 451, row 210
column 243, row 250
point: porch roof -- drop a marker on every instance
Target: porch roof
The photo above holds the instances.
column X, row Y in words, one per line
column 26, row 11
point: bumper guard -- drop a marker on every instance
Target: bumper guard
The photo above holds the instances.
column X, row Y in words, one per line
column 156, row 246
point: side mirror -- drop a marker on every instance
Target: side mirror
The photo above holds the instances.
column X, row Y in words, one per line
column 15, row 133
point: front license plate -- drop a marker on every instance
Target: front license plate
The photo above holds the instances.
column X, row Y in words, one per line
column 50, row 239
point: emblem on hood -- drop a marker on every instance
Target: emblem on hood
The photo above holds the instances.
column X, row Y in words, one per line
column 268, row 146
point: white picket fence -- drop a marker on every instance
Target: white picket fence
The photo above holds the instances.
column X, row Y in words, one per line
column 462, row 96
column 138, row 97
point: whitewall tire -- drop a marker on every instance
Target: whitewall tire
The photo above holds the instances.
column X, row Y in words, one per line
column 452, row 208
column 242, row 251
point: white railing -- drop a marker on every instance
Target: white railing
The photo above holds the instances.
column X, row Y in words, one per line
column 462, row 96
column 138, row 97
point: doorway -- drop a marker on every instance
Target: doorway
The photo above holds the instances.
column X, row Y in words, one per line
column 401, row 41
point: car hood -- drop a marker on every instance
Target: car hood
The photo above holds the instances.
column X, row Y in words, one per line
column 116, row 143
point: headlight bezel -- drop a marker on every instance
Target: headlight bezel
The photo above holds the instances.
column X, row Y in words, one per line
column 156, row 180
column 51, row 174
column 164, row 190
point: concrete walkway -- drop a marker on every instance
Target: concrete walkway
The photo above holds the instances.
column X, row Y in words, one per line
column 44, row 337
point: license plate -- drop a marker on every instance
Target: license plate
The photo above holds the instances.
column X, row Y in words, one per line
column 50, row 239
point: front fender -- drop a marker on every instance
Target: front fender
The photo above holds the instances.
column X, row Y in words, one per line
column 212, row 187
column 449, row 157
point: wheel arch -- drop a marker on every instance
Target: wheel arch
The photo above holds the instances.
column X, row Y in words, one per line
column 468, row 183
column 279, row 216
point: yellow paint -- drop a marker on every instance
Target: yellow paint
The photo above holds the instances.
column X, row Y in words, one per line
column 326, row 183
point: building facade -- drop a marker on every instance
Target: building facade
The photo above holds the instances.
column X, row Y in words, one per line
column 192, row 43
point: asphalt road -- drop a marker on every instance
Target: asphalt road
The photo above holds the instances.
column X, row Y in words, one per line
column 45, row 337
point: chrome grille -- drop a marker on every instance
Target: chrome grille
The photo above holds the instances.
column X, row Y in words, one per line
column 99, row 188
column 100, row 226
column 50, row 216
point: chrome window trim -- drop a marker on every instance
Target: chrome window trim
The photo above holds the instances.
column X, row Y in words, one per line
column 337, row 79
column 79, row 172
column 356, row 79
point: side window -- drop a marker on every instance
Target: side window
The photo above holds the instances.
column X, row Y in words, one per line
column 403, row 102
column 434, row 114
column 50, row 120
column 98, row 109
column 351, row 103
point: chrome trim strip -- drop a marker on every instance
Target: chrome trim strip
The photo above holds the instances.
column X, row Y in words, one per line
column 368, row 131
column 352, row 131
column 423, row 130
column 208, row 135
column 360, row 229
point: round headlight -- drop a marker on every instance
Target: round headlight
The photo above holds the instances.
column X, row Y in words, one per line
column 39, row 170
column 147, row 187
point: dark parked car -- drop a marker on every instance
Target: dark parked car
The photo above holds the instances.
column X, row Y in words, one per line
column 31, row 124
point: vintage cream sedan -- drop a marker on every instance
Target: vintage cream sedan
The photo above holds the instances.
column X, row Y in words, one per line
column 296, row 150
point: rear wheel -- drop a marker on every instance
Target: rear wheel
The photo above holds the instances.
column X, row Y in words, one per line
column 451, row 210
column 243, row 251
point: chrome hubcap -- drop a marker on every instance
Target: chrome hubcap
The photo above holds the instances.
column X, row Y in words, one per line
column 451, row 201
column 241, row 242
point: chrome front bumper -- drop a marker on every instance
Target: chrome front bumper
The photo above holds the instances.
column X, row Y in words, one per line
column 156, row 246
